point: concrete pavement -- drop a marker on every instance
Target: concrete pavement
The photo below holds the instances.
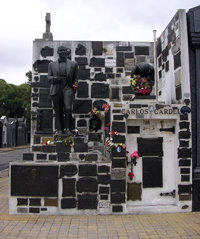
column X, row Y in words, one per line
column 156, row 226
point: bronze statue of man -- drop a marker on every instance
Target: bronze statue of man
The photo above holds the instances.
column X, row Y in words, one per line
column 62, row 75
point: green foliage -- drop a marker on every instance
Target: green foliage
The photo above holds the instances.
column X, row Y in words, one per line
column 15, row 100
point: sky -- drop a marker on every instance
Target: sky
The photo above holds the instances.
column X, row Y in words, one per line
column 22, row 21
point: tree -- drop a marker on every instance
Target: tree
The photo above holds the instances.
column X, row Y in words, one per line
column 15, row 100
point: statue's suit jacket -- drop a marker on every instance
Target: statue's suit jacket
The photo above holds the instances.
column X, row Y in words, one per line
column 53, row 71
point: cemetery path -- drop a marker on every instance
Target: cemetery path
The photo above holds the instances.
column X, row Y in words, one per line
column 11, row 156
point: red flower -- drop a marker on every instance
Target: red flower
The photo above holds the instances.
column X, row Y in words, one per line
column 131, row 175
column 105, row 128
column 111, row 132
column 108, row 124
column 46, row 143
column 126, row 157
column 42, row 143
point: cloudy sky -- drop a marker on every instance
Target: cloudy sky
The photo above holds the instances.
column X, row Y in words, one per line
column 22, row 21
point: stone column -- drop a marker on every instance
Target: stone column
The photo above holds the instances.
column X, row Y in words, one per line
column 193, row 19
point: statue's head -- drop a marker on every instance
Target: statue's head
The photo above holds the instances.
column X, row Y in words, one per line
column 63, row 51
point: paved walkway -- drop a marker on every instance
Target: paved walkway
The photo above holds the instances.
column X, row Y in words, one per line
column 174, row 226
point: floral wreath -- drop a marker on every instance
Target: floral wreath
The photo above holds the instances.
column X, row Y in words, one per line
column 140, row 84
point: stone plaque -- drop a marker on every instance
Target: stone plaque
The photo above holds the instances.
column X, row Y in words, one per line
column 44, row 99
column 45, row 121
column 117, row 173
column 88, row 170
column 87, row 201
column 41, row 66
column 134, row 191
column 129, row 64
column 100, row 90
column 110, row 62
column 82, row 106
column 34, row 181
column 46, row 51
column 152, row 172
column 150, row 146
column 104, row 204
column 141, row 50
column 68, row 170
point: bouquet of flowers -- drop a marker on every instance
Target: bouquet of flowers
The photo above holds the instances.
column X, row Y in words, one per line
column 140, row 84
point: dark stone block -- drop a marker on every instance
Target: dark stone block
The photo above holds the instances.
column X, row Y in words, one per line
column 184, row 125
column 35, row 104
column 184, row 152
column 116, row 111
column 87, row 184
column 82, row 91
column 84, row 74
column 134, row 191
column 127, row 90
column 119, row 139
column 185, row 170
column 61, row 147
column 152, row 172
column 118, row 117
column 159, row 61
column 53, row 157
column 117, row 198
column 63, row 157
column 34, row 201
column 95, row 137
column 97, row 52
column 91, row 157
column 159, row 47
column 167, row 66
column 119, row 127
column 44, row 99
column 110, row 76
column 108, row 70
column 185, row 178
column 183, row 117
column 103, row 169
column 184, row 189
column 81, row 60
column 79, row 145
column 45, row 121
column 177, row 60
column 104, row 179
column 142, row 50
column 41, row 156
column 44, row 81
column 36, row 148
column 117, row 208
column 118, row 154
column 160, row 74
column 68, row 170
column 36, row 78
column 38, row 181
column 98, row 104
column 82, row 106
column 184, row 143
column 115, row 93
column 184, row 162
column 48, row 148
column 123, row 48
column 97, row 44
column 104, row 190
column 129, row 55
column 196, row 195
column 184, row 134
column 22, row 201
column 133, row 129
column 117, row 75
column 87, row 170
column 100, row 77
column 80, row 50
column 46, row 51
column 150, row 146
column 43, row 209
column 41, row 66
column 97, row 69
column 119, row 163
column 82, row 123
column 185, row 197
column 120, row 70
column 81, row 156
column 103, row 197
column 69, row 187
column 165, row 53
column 87, row 202
column 34, row 210
column 118, row 186
column 178, row 92
column 97, row 62
column 67, row 203
column 120, row 59
column 28, row 156
column 100, row 90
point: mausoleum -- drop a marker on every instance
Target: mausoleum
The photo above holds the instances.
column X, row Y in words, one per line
column 132, row 149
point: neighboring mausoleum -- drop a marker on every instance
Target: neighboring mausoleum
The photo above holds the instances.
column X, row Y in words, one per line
column 131, row 151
